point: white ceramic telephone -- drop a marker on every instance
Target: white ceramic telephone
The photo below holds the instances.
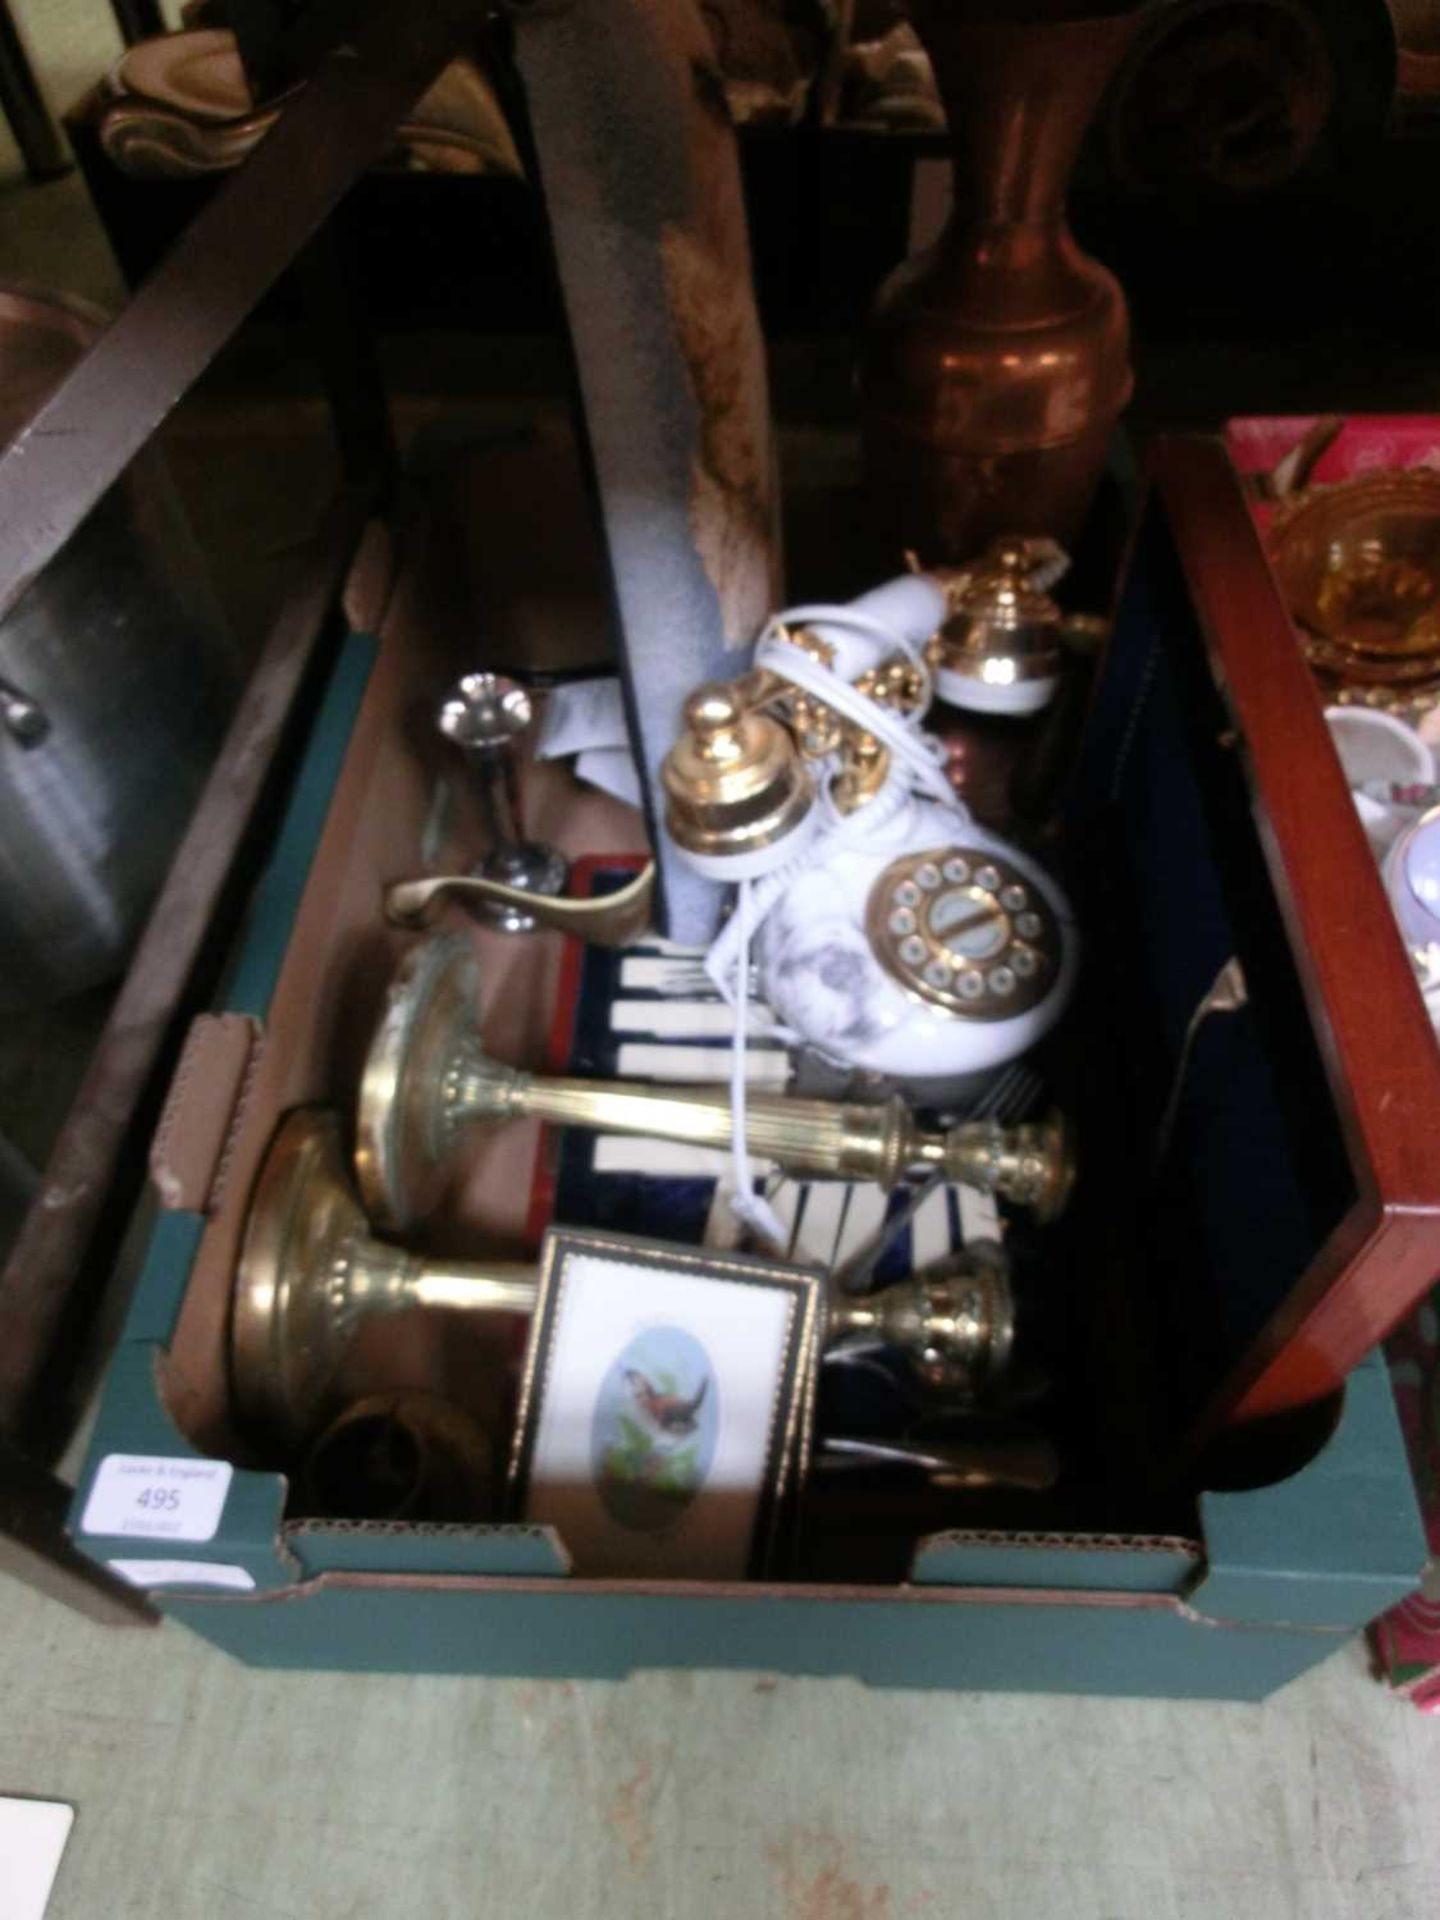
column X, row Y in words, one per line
column 891, row 933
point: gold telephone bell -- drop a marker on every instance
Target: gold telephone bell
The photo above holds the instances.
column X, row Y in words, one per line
column 740, row 780
column 734, row 781
column 1002, row 646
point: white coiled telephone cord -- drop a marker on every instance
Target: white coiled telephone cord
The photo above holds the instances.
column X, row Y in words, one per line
column 915, row 766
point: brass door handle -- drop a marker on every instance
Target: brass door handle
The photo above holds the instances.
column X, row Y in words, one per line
column 607, row 920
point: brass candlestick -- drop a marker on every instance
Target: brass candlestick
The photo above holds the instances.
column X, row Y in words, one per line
column 310, row 1274
column 1021, row 1457
column 403, row 1454
column 956, row 1322
column 428, row 1079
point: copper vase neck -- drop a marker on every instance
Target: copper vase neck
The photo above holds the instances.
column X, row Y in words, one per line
column 1018, row 96
column 998, row 361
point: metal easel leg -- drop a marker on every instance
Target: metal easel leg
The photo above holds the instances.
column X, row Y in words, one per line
column 36, row 134
column 344, row 350
column 138, row 19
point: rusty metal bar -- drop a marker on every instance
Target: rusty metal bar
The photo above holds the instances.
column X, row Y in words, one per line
column 51, row 475
column 341, row 344
column 340, row 123
column 138, row 20
column 36, row 134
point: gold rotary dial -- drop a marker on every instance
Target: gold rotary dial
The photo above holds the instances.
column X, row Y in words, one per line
column 963, row 929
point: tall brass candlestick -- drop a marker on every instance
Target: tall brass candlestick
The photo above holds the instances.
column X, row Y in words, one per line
column 310, row 1274
column 428, row 1080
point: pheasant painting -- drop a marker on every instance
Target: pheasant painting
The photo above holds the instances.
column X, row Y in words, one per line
column 671, row 1415
column 657, row 1418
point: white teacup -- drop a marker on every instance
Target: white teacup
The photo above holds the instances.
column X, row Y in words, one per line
column 1412, row 880
column 1379, row 752
column 1375, row 747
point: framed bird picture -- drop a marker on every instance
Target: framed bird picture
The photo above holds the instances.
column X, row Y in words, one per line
column 666, row 1405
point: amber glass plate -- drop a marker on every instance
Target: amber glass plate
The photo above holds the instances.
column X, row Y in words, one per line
column 1359, row 566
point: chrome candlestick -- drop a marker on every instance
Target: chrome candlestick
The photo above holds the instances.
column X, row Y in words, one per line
column 484, row 715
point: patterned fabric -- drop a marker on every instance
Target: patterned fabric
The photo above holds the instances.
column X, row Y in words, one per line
column 1407, row 1638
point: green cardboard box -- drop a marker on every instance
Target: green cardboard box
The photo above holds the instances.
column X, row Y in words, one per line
column 1167, row 1586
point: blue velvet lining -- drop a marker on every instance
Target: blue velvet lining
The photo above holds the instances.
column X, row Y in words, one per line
column 1256, row 1175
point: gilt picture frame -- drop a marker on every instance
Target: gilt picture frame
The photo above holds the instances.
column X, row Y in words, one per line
column 663, row 1428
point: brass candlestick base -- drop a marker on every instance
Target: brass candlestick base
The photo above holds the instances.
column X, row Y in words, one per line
column 402, row 1455
column 309, row 1273
column 956, row 1323
column 428, row 1079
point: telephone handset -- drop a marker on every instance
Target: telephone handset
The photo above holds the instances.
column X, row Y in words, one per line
column 891, row 933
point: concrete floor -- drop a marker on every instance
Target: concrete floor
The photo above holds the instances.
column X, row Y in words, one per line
column 205, row 1791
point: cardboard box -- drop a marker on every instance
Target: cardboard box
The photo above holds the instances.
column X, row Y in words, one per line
column 1236, row 1514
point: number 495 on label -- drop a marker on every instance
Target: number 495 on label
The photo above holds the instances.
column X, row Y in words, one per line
column 147, row 1497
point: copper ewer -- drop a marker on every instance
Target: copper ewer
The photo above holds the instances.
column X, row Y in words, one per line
column 997, row 362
